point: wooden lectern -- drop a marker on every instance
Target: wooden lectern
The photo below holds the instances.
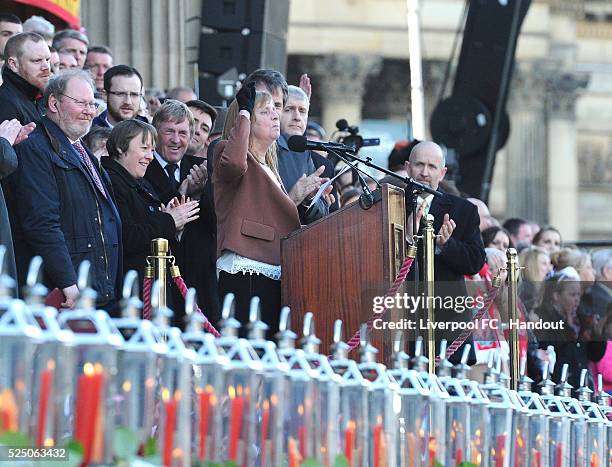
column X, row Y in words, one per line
column 336, row 266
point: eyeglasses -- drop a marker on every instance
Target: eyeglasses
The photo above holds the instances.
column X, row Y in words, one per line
column 122, row 95
column 89, row 105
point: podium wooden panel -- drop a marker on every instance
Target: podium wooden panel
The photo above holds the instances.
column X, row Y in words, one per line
column 337, row 265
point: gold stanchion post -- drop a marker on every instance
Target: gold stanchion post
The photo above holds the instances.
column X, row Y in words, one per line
column 515, row 358
column 159, row 248
column 428, row 277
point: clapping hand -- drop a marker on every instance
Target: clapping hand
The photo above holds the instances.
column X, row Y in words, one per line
column 14, row 132
column 183, row 211
column 445, row 232
column 307, row 186
column 194, row 183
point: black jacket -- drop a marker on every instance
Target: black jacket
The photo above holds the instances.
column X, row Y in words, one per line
column 140, row 215
column 196, row 253
column 18, row 98
column 100, row 120
column 8, row 164
column 62, row 214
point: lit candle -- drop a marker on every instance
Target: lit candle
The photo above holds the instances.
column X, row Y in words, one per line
column 559, row 455
column 594, row 460
column 378, row 444
column 8, row 412
column 499, row 450
column 170, row 426
column 46, row 378
column 294, row 454
column 204, row 397
column 237, row 409
column 265, row 421
column 89, row 398
column 432, row 448
column 458, row 456
column 537, row 458
column 349, row 441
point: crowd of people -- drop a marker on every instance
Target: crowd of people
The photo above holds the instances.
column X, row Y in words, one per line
column 94, row 167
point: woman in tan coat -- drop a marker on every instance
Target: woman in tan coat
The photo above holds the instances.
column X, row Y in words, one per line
column 253, row 208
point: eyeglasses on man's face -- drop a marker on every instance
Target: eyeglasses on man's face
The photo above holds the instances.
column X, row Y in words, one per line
column 122, row 95
column 93, row 105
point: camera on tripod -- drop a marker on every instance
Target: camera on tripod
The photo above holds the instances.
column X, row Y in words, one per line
column 353, row 138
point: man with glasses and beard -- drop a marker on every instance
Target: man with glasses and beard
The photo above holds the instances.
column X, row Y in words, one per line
column 66, row 210
column 124, row 88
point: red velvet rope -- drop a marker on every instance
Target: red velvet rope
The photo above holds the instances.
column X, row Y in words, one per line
column 490, row 298
column 146, row 298
column 180, row 283
column 399, row 280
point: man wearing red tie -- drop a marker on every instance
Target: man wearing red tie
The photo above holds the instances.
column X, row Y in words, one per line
column 66, row 209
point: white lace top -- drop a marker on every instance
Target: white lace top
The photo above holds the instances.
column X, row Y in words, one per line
column 233, row 263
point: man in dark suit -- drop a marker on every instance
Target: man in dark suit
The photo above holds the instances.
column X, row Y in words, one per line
column 175, row 175
column 66, row 208
column 297, row 167
column 458, row 249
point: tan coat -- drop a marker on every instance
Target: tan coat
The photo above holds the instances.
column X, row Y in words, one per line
column 253, row 213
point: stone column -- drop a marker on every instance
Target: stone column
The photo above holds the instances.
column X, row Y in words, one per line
column 147, row 34
column 342, row 79
column 562, row 152
column 525, row 168
column 563, row 87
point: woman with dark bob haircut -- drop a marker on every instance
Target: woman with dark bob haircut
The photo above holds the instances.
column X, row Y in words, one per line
column 130, row 148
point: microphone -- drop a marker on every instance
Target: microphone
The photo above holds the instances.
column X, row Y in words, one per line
column 299, row 143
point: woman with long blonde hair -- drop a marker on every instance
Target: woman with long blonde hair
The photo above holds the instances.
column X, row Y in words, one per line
column 253, row 208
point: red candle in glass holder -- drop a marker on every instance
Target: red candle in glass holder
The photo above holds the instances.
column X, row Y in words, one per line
column 237, row 410
column 265, row 422
column 170, row 405
column 46, row 380
column 349, row 441
column 204, row 399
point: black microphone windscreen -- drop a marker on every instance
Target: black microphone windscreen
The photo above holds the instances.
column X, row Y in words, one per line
column 297, row 143
column 342, row 124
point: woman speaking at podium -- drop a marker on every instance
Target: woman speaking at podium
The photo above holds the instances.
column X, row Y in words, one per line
column 253, row 208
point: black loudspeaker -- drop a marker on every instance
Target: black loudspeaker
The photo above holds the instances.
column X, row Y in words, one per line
column 464, row 121
column 240, row 35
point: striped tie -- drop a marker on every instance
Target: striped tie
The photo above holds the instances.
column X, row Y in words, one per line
column 90, row 167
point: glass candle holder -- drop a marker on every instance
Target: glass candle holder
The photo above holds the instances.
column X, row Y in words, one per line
column 578, row 432
column 413, row 419
column 47, row 425
column 560, row 424
column 91, row 387
column 384, row 404
column 353, row 406
column 20, row 338
column 140, row 365
column 539, row 420
column 327, row 384
column 241, row 384
column 438, row 397
column 480, row 418
column 271, row 394
column 596, row 424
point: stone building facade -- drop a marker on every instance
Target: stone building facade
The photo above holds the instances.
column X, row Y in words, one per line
column 557, row 164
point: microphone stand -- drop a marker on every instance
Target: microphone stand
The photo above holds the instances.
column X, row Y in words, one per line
column 367, row 199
